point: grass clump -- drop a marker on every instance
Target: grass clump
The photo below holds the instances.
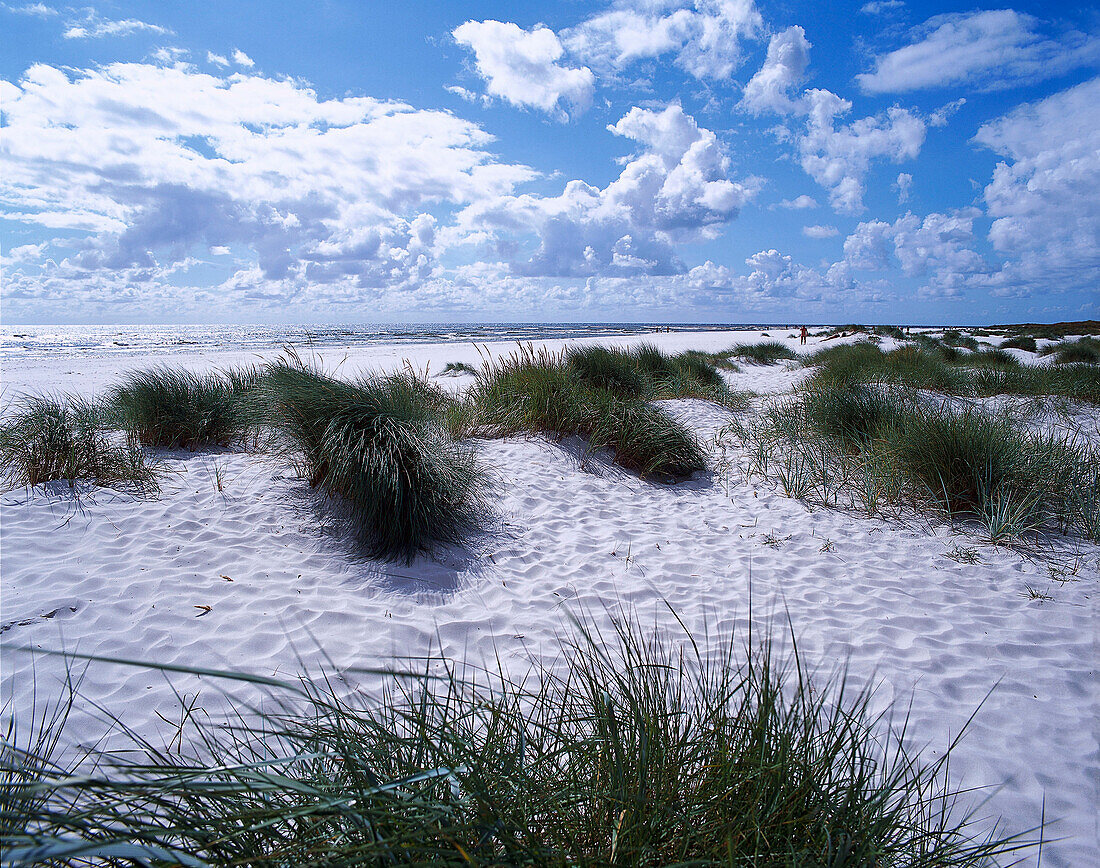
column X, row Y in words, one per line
column 456, row 369
column 636, row 750
column 68, row 439
column 1084, row 350
column 954, row 338
column 871, row 447
column 924, row 366
column 382, row 445
column 172, row 408
column 764, row 352
column 545, row 393
column 1019, row 342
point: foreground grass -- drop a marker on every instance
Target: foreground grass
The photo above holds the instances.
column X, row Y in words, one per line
column 382, row 446
column 638, row 750
column 874, row 446
column 69, row 439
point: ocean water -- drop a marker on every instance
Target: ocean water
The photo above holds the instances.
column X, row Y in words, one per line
column 77, row 340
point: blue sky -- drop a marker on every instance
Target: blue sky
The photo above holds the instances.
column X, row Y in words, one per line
column 704, row 160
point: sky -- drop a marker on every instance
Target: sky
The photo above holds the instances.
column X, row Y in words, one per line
column 733, row 161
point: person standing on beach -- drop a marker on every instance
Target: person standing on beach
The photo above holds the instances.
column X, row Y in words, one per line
column 802, row 335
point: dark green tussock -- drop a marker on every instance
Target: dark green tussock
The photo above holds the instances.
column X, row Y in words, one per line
column 1021, row 342
column 638, row 750
column 763, row 353
column 454, row 369
column 382, row 445
column 540, row 392
column 611, row 369
column 956, row 339
column 872, row 446
column 69, row 439
column 178, row 409
column 1081, row 351
column 981, row 374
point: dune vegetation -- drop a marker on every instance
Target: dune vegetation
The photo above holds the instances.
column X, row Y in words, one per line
column 69, row 439
column 382, row 445
column 633, row 750
column 877, row 447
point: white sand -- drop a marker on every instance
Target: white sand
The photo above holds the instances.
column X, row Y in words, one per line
column 124, row 577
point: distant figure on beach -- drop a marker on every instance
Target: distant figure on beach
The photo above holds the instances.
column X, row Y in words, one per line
column 802, row 335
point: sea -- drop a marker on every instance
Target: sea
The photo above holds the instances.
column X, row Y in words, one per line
column 38, row 341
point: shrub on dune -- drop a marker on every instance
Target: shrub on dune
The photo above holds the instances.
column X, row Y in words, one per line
column 382, row 445
column 763, row 353
column 870, row 445
column 1081, row 351
column 1020, row 342
column 174, row 408
column 542, row 393
column 67, row 439
column 638, row 750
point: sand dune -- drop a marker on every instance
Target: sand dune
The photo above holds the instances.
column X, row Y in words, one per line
column 254, row 577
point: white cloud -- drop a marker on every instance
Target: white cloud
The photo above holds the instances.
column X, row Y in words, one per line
column 937, row 249
column 903, row 184
column 819, row 231
column 783, row 68
column 521, row 66
column 705, row 36
column 881, row 7
column 25, row 253
column 93, row 26
column 991, row 49
column 676, row 188
column 799, row 204
column 1044, row 197
column 839, row 157
column 217, row 59
column 162, row 164
column 242, row 59
column 38, row 10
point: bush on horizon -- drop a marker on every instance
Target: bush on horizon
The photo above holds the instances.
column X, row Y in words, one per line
column 68, row 439
column 629, row 750
column 382, row 446
column 173, row 408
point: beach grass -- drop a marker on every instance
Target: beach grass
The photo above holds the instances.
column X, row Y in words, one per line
column 763, row 352
column 870, row 446
column 636, row 748
column 1084, row 350
column 70, row 439
column 1020, row 342
column 597, row 399
column 382, row 445
column 173, row 408
column 927, row 366
column 455, row 369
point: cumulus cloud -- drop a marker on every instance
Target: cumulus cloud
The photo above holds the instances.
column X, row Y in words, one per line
column 675, row 188
column 938, row 249
column 819, row 231
column 521, row 67
column 217, row 59
column 704, row 37
column 799, row 203
column 1044, row 197
column 838, row 156
column 159, row 164
column 990, row 50
column 242, row 59
column 783, row 68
